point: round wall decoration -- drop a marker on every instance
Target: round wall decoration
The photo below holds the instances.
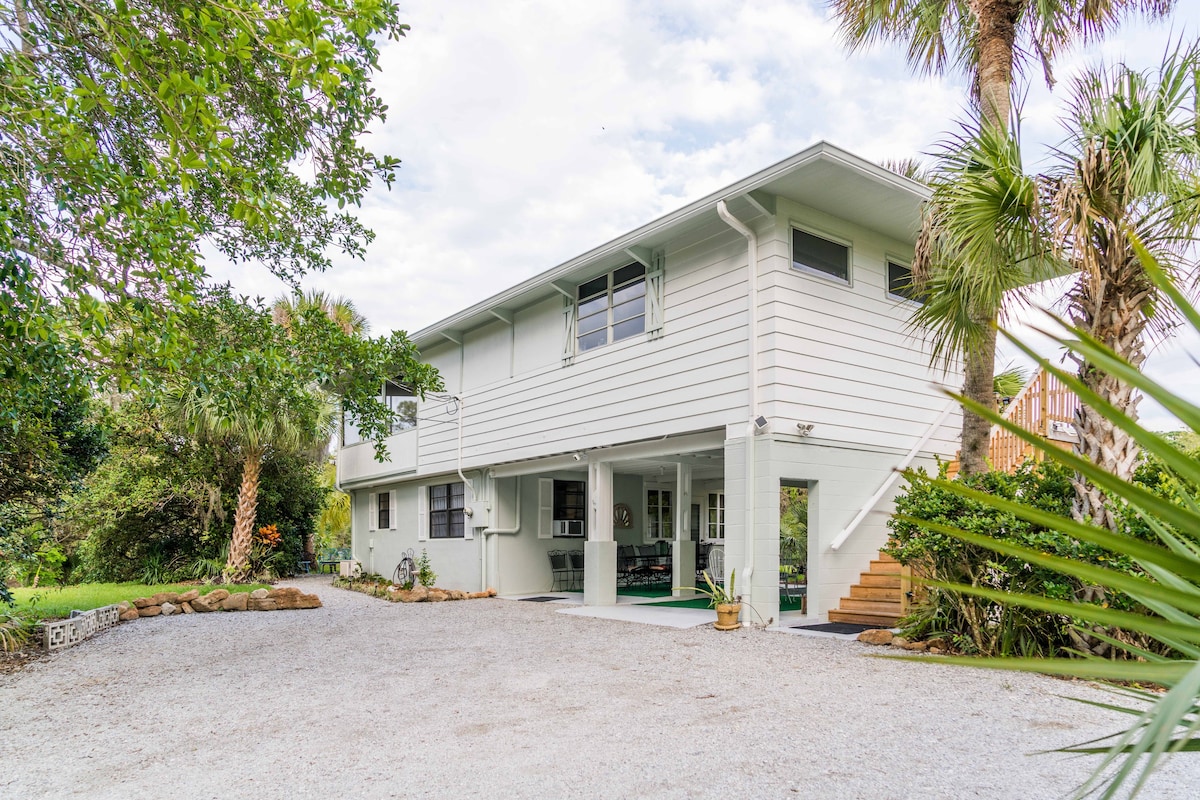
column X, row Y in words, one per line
column 622, row 516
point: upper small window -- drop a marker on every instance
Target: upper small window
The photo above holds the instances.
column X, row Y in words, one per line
column 900, row 282
column 813, row 252
column 612, row 307
column 401, row 401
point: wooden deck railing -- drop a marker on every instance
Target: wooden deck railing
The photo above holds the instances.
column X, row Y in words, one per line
column 1037, row 407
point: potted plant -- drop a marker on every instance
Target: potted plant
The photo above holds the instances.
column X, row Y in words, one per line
column 724, row 599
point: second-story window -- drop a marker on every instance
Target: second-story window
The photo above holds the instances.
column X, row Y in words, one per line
column 612, row 307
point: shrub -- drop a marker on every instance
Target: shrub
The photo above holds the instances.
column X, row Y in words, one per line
column 976, row 624
column 425, row 573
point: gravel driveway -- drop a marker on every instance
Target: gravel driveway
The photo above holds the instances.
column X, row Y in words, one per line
column 503, row 699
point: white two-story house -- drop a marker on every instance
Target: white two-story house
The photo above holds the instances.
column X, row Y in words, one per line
column 665, row 386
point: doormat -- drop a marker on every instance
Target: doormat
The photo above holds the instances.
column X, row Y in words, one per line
column 540, row 599
column 836, row 627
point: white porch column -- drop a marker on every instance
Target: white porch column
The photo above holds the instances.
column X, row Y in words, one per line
column 600, row 549
column 683, row 550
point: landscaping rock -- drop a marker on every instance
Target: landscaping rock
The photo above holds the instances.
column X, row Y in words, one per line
column 491, row 592
column 260, row 603
column 282, row 591
column 878, row 636
column 297, row 601
column 143, row 602
column 150, row 611
column 168, row 609
column 456, row 594
column 124, row 606
column 234, row 602
column 259, row 594
column 419, row 594
column 216, row 596
column 914, row 646
column 203, row 604
column 939, row 643
column 165, row 597
column 438, row 595
column 187, row 608
column 189, row 596
column 130, row 614
column 477, row 595
column 936, row 651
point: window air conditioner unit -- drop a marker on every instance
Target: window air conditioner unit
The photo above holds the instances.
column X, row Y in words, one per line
column 568, row 527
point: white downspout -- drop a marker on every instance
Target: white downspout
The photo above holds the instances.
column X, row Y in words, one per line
column 752, row 369
column 487, row 532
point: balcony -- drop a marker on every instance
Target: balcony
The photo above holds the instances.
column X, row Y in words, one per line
column 356, row 464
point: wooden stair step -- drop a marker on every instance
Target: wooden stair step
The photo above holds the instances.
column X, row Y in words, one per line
column 880, row 581
column 855, row 604
column 877, row 618
column 863, row 592
column 885, row 567
column 885, row 557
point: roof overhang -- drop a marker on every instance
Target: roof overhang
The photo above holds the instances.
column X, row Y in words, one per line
column 823, row 177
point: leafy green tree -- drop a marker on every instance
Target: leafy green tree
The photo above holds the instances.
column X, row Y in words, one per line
column 340, row 310
column 132, row 132
column 260, row 389
column 990, row 42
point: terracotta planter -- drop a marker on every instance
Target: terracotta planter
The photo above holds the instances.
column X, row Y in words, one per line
column 727, row 616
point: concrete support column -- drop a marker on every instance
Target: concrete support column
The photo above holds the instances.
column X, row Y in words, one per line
column 600, row 550
column 683, row 550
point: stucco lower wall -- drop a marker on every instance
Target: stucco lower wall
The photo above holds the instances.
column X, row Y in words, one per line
column 522, row 564
column 841, row 480
column 456, row 561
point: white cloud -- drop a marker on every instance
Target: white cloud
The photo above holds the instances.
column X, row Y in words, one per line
column 531, row 132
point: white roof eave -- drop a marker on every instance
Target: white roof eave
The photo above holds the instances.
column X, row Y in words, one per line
column 541, row 285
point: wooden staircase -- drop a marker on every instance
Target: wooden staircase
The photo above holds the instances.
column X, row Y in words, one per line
column 877, row 598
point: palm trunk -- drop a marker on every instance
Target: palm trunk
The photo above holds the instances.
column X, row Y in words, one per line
column 978, row 386
column 247, row 509
column 997, row 37
column 1111, row 309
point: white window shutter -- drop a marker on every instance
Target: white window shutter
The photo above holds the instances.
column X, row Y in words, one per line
column 422, row 513
column 570, row 316
column 392, row 515
column 545, row 508
column 655, row 278
column 372, row 512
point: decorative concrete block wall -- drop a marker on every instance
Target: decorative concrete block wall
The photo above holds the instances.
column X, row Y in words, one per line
column 63, row 633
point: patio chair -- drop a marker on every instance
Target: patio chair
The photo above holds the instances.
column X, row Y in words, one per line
column 575, row 559
column 627, row 565
column 716, row 565
column 560, row 570
column 652, row 561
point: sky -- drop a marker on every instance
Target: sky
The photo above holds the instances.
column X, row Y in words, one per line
column 532, row 131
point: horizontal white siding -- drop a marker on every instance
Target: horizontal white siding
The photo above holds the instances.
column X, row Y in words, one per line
column 691, row 378
column 844, row 357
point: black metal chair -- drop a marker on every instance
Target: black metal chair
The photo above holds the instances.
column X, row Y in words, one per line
column 560, row 570
column 575, row 560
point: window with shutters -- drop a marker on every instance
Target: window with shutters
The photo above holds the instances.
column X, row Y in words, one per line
column 611, row 307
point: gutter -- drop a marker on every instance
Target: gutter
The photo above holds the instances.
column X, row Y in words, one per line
column 752, row 369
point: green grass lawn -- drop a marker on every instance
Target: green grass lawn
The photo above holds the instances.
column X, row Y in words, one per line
column 56, row 602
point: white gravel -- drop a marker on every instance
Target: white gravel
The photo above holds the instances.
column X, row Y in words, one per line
column 504, row 699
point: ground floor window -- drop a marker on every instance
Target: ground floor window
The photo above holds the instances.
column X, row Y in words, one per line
column 714, row 529
column 660, row 514
column 383, row 511
column 446, row 504
column 570, row 508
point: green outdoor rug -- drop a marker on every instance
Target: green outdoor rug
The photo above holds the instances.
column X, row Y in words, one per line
column 696, row 602
column 653, row 590
column 702, row 602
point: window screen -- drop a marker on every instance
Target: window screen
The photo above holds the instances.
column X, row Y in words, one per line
column 813, row 252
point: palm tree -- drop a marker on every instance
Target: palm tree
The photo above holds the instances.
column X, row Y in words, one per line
column 339, row 309
column 1126, row 173
column 287, row 422
column 989, row 41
